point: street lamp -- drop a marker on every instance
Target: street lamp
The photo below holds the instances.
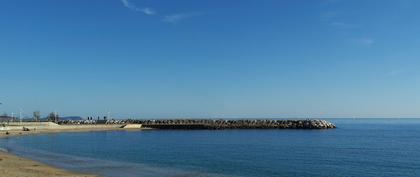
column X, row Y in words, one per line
column 20, row 116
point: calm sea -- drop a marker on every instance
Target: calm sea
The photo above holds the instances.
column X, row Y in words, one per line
column 358, row 147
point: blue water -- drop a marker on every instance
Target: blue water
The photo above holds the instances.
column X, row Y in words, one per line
column 358, row 147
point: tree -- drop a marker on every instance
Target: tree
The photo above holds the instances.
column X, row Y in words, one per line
column 53, row 117
column 37, row 116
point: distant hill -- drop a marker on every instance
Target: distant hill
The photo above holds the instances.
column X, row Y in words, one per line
column 71, row 118
column 5, row 118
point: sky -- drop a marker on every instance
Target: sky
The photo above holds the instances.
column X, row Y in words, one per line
column 211, row 58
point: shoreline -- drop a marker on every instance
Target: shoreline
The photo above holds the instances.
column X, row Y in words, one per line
column 14, row 165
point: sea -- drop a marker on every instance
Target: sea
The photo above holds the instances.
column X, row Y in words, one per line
column 357, row 147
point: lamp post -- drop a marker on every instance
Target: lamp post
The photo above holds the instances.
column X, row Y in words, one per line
column 13, row 116
column 20, row 115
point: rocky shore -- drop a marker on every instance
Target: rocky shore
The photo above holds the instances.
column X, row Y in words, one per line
column 215, row 124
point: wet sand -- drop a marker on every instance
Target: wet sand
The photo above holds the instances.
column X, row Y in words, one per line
column 15, row 166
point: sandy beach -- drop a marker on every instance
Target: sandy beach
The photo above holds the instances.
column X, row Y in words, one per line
column 15, row 166
column 58, row 129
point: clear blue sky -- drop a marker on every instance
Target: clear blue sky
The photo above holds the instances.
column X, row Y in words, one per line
column 211, row 58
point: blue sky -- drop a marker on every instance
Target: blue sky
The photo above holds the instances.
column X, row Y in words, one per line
column 211, row 58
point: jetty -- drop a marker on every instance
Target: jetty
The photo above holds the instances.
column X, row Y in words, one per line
column 236, row 124
column 217, row 124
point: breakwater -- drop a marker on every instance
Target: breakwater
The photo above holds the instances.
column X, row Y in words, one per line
column 215, row 124
column 238, row 124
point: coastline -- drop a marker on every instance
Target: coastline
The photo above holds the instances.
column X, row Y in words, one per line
column 13, row 165
column 20, row 166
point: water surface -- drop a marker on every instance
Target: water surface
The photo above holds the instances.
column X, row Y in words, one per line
column 358, row 147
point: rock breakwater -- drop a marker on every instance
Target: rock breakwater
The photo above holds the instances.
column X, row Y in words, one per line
column 215, row 124
column 236, row 124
